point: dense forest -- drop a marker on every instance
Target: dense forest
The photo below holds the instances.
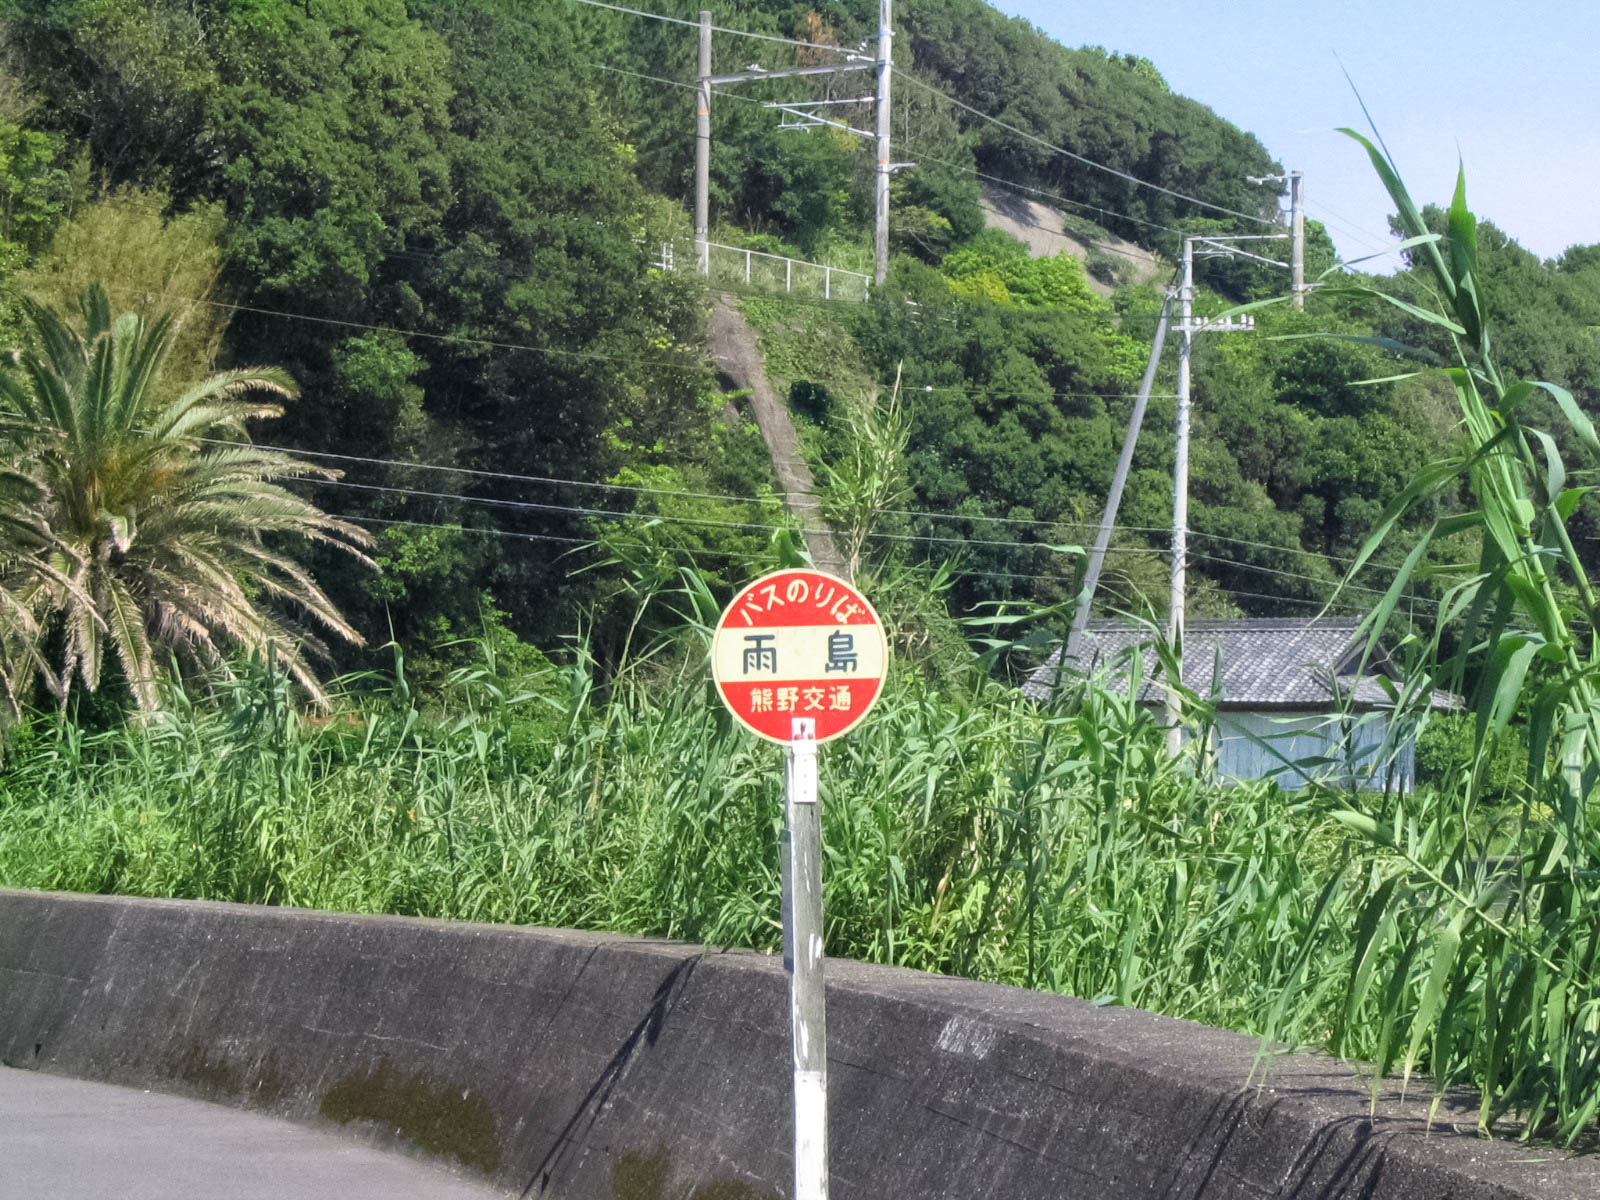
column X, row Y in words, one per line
column 443, row 219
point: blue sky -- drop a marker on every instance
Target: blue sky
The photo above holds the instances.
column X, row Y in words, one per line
column 1510, row 88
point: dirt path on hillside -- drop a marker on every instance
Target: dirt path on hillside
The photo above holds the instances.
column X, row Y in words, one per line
column 738, row 356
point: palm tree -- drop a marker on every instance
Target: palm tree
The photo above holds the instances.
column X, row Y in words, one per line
column 26, row 548
column 145, row 525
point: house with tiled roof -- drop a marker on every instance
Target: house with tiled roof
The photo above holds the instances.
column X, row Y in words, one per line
column 1294, row 700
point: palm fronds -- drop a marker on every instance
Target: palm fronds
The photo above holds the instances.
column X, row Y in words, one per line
column 138, row 526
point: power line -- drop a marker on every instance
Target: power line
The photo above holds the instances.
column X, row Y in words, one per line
column 460, row 339
column 1353, row 587
column 706, row 522
column 1088, row 162
column 747, row 33
column 690, row 551
column 479, row 529
column 694, row 552
column 680, row 362
column 1373, row 238
column 671, row 492
column 669, row 518
column 1037, row 191
column 916, row 514
column 1217, row 537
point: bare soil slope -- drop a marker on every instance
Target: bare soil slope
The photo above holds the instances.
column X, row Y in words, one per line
column 1045, row 233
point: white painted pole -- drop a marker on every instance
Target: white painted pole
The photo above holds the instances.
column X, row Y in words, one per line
column 880, row 240
column 806, row 1000
column 702, row 151
column 1297, row 226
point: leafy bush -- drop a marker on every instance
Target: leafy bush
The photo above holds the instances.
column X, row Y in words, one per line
column 1445, row 753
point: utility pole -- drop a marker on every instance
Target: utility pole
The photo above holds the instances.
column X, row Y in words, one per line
column 1297, row 230
column 806, row 117
column 1187, row 328
column 1297, row 225
column 885, row 166
column 702, row 151
column 1180, row 494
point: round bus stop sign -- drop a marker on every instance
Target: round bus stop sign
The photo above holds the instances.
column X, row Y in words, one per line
column 799, row 643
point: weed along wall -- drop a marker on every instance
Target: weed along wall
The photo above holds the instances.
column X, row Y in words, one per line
column 590, row 1067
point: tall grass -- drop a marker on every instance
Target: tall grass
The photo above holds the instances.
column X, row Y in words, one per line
column 970, row 832
column 967, row 831
column 1479, row 930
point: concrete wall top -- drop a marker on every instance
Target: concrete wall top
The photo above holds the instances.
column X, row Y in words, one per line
column 598, row 1067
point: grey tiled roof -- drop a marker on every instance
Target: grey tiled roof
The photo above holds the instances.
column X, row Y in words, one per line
column 1267, row 662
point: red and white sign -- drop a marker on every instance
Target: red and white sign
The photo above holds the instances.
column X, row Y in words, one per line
column 799, row 643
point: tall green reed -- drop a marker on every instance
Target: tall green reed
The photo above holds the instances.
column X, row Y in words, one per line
column 967, row 829
column 1478, row 930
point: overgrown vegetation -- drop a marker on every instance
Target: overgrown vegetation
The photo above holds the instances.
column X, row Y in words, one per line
column 968, row 830
column 441, row 220
column 1504, row 956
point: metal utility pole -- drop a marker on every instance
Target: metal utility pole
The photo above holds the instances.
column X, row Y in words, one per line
column 1187, row 328
column 702, row 152
column 1097, row 556
column 1297, row 225
column 1180, row 492
column 885, row 166
column 805, row 116
column 803, row 958
column 1297, row 230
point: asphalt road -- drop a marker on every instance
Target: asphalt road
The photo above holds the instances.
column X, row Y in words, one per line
column 63, row 1139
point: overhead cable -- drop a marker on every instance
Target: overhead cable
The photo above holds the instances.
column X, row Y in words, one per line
column 1088, row 162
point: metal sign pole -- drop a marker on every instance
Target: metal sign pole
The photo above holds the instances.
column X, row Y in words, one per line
column 795, row 642
column 804, row 961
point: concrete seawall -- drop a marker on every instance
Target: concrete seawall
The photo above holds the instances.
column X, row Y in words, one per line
column 594, row 1067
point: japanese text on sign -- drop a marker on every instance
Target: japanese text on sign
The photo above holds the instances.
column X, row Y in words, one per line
column 795, row 645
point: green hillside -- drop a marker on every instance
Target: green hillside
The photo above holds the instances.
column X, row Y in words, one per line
column 442, row 220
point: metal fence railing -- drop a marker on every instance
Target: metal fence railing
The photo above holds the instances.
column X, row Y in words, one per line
column 735, row 266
